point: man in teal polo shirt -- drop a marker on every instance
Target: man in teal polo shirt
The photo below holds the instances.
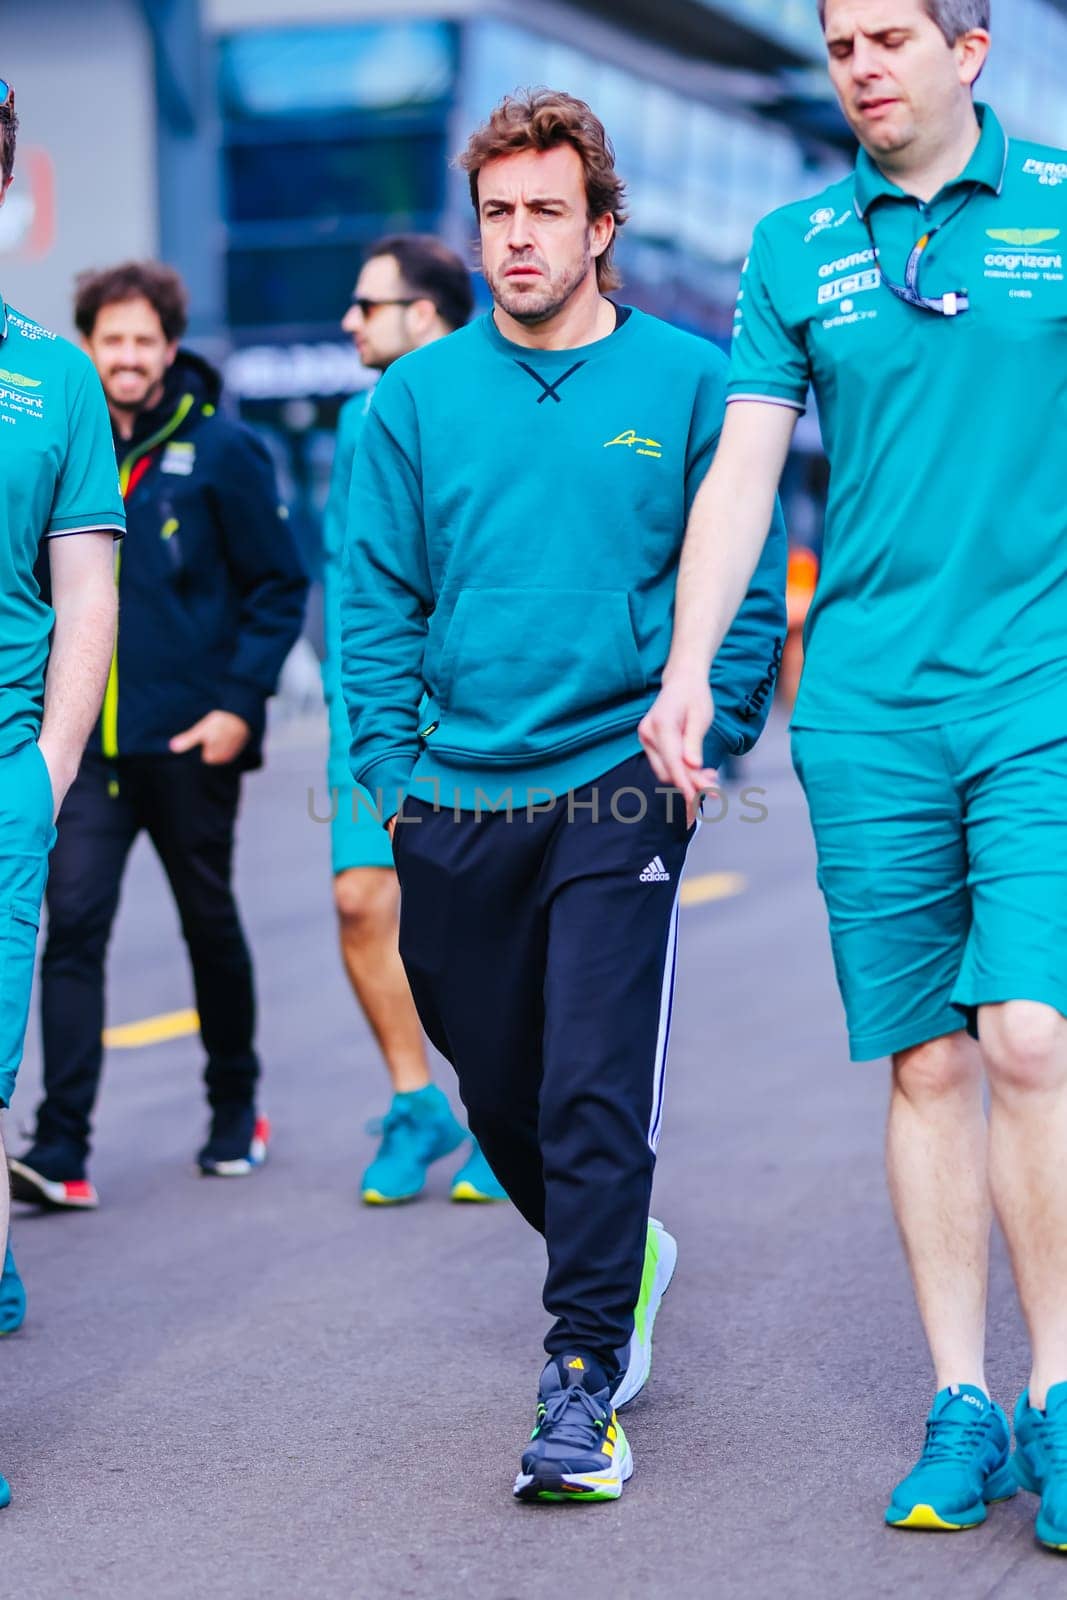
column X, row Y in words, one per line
column 925, row 301
column 412, row 290
column 57, row 480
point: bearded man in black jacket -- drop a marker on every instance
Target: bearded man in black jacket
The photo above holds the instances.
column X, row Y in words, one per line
column 211, row 600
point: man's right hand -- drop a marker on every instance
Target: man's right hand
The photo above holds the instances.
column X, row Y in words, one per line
column 673, row 733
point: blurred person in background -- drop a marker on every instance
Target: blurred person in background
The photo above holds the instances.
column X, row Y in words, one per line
column 923, row 298
column 57, row 485
column 411, row 290
column 518, row 505
column 211, row 594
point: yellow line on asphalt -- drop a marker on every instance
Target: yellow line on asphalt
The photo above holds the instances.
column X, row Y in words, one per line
column 712, row 886
column 180, row 1024
column 152, row 1030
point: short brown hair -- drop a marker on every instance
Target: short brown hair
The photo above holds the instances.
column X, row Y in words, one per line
column 161, row 286
column 431, row 270
column 542, row 119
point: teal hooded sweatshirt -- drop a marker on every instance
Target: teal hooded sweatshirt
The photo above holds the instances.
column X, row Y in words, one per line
column 514, row 527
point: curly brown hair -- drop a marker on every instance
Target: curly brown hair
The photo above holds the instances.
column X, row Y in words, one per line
column 9, row 127
column 161, row 286
column 542, row 119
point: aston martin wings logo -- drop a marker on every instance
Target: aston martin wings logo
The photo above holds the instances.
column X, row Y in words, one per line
column 19, row 379
column 1023, row 238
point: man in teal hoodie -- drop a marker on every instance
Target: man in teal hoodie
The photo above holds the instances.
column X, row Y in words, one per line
column 411, row 290
column 516, row 517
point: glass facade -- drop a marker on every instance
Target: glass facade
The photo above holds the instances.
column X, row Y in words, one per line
column 1023, row 79
column 331, row 136
column 794, row 23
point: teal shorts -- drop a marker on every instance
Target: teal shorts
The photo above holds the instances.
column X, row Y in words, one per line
column 357, row 837
column 943, row 862
column 26, row 837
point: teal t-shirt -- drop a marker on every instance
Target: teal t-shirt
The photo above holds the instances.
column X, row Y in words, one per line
column 943, row 587
column 349, row 427
column 57, row 477
column 514, row 528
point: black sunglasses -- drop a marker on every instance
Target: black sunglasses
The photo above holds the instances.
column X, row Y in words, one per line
column 7, row 99
column 367, row 306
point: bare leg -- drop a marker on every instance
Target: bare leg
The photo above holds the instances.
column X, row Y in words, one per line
column 5, row 1198
column 368, row 911
column 936, row 1157
column 1025, row 1046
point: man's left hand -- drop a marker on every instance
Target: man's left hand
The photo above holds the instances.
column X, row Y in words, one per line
column 221, row 736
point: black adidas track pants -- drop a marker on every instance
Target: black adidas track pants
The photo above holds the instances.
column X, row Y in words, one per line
column 540, row 950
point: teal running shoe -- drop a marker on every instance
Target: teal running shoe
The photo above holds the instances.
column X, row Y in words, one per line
column 5, row 1492
column 418, row 1129
column 964, row 1466
column 12, row 1298
column 577, row 1450
column 476, row 1181
column 661, row 1258
column 1040, row 1462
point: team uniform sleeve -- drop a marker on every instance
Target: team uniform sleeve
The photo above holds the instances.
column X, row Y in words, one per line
column 744, row 671
column 768, row 360
column 386, row 597
column 333, row 541
column 267, row 571
column 87, row 497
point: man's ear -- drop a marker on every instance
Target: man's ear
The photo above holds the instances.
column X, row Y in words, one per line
column 423, row 314
column 601, row 233
column 5, row 186
column 172, row 352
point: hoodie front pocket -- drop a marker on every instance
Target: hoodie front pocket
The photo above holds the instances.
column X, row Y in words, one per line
column 523, row 672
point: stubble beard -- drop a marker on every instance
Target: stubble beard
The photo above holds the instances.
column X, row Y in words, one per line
column 531, row 306
column 150, row 395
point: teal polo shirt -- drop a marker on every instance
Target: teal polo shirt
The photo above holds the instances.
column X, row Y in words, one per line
column 943, row 587
column 57, row 477
column 352, row 416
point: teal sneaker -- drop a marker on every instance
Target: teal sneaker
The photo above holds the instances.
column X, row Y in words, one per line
column 964, row 1466
column 418, row 1129
column 1040, row 1462
column 476, row 1181
column 5, row 1493
column 661, row 1258
column 12, row 1298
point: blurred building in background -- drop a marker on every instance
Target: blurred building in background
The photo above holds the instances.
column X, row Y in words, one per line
column 259, row 145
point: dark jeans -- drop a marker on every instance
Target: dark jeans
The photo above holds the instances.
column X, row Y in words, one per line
column 189, row 811
column 540, row 952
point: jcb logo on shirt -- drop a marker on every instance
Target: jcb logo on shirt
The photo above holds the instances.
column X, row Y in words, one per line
column 843, row 288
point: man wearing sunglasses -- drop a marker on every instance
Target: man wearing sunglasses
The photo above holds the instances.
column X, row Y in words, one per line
column 924, row 299
column 58, row 490
column 411, row 291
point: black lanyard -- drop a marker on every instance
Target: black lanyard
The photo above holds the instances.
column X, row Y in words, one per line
column 952, row 304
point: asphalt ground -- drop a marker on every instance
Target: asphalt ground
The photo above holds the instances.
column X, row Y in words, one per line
column 262, row 1389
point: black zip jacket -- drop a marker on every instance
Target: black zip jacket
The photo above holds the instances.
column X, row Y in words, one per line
column 211, row 587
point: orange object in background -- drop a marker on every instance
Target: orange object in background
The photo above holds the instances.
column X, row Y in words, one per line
column 801, row 577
